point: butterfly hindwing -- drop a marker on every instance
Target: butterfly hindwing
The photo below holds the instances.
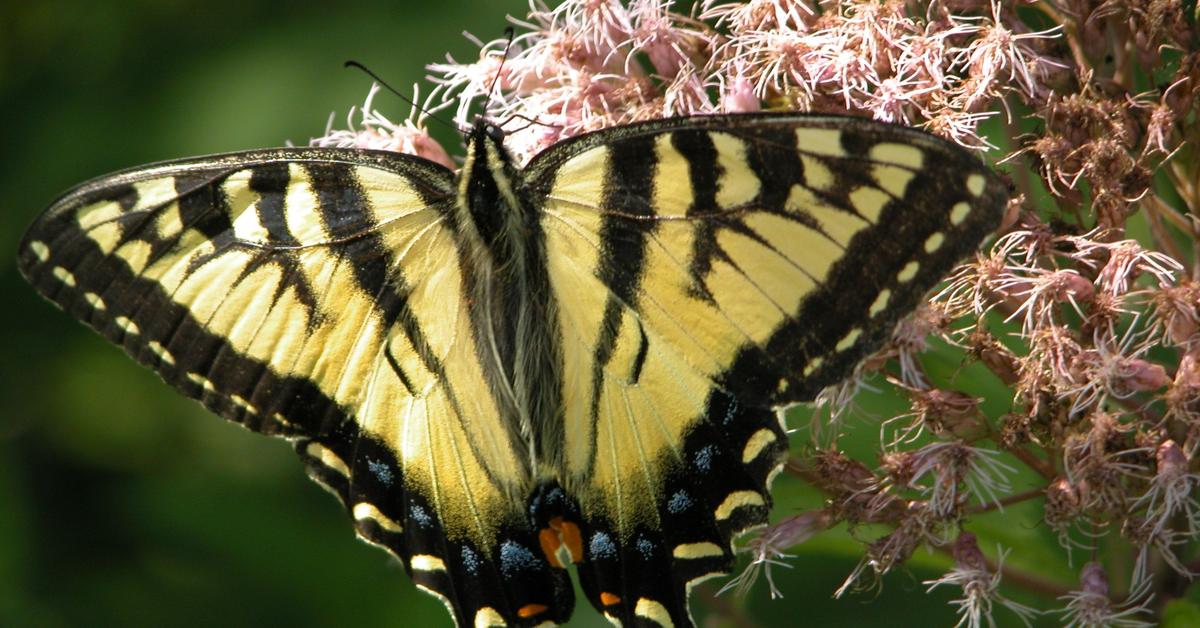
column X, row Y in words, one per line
column 313, row 294
column 717, row 268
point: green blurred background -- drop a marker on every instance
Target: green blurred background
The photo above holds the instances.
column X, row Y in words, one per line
column 123, row 504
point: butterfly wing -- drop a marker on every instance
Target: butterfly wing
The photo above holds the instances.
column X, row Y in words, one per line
column 708, row 271
column 314, row 294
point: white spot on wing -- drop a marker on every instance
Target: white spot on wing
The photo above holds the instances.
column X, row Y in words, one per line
column 934, row 242
column 161, row 351
column 959, row 212
column 774, row 474
column 202, row 381
column 488, row 617
column 813, row 365
column 690, row 551
column 154, row 193
column 975, row 184
column 849, row 339
column 106, row 236
column 425, row 562
column 368, row 512
column 127, row 326
column 738, row 499
column 755, row 445
column 881, row 302
column 40, row 250
column 332, row 461
column 243, row 404
column 64, row 276
column 654, row 611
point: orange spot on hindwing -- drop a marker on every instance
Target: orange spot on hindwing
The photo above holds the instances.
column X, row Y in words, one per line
column 548, row 539
column 559, row 536
column 529, row 610
column 571, row 537
column 609, row 599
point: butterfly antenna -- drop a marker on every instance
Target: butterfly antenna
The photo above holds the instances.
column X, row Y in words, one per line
column 531, row 121
column 509, row 34
column 429, row 114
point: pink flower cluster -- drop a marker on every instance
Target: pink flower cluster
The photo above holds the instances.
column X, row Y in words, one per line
column 590, row 64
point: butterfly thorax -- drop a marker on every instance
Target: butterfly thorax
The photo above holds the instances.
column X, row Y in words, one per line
column 502, row 252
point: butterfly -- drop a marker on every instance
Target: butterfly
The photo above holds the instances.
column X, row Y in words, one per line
column 508, row 371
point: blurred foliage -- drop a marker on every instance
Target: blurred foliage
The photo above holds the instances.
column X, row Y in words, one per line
column 1181, row 613
column 121, row 503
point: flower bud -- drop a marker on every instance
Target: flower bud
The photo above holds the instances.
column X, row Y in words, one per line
column 1172, row 460
column 1093, row 580
column 739, row 96
column 1144, row 376
column 1062, row 503
column 967, row 554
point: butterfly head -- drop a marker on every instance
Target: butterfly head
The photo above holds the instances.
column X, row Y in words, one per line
column 485, row 144
column 490, row 129
column 488, row 174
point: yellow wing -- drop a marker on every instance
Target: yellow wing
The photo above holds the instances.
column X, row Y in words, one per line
column 709, row 271
column 316, row 294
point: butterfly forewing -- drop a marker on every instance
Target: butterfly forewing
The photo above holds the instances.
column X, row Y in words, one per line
column 772, row 252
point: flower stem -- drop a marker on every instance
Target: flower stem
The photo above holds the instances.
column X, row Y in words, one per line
column 1020, row 578
column 1008, row 501
column 1029, row 581
column 1042, row 467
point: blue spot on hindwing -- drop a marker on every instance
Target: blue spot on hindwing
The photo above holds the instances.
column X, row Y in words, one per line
column 679, row 502
column 730, row 412
column 516, row 558
column 381, row 471
column 703, row 458
column 471, row 560
column 419, row 516
column 645, row 547
column 602, row 546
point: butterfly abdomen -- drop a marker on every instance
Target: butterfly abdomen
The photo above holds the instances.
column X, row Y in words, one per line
column 512, row 308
